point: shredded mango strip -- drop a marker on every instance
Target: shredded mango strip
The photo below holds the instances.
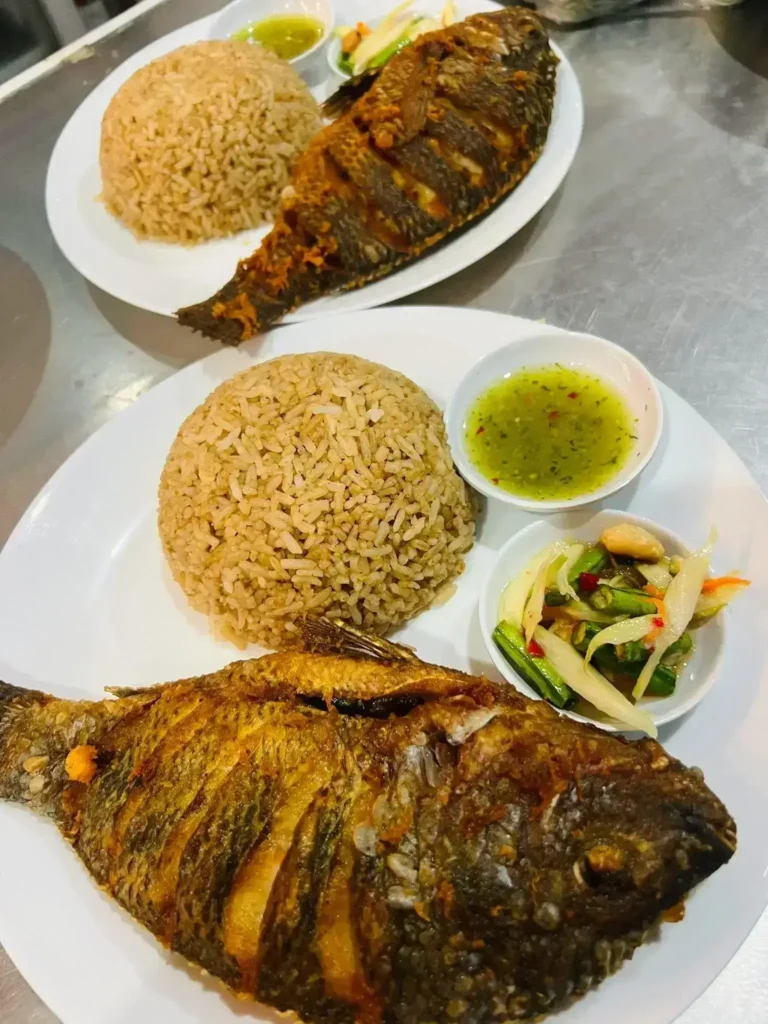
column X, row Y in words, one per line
column 680, row 601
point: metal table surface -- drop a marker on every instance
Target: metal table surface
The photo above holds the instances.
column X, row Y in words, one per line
column 658, row 239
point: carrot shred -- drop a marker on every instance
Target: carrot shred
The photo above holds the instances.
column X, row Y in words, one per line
column 652, row 591
column 351, row 41
column 723, row 581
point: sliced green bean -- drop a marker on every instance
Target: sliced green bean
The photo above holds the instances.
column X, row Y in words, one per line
column 584, row 633
column 617, row 601
column 593, row 560
column 539, row 673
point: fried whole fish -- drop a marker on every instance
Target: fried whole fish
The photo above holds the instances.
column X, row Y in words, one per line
column 357, row 836
column 448, row 128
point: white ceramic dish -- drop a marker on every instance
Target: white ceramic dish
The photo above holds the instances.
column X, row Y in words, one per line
column 87, row 601
column 241, row 13
column 613, row 364
column 700, row 673
column 162, row 278
column 332, row 54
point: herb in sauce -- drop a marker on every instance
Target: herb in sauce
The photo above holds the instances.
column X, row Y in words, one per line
column 287, row 35
column 549, row 432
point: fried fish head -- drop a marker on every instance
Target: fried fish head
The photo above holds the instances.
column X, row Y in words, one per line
column 540, row 857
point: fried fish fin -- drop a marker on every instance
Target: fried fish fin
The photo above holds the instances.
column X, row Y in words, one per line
column 320, row 636
column 358, row 685
column 349, row 93
column 126, row 691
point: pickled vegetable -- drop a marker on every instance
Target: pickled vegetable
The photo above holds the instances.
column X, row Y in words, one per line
column 625, row 620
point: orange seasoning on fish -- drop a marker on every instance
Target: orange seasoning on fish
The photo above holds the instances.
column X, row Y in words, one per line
column 80, row 764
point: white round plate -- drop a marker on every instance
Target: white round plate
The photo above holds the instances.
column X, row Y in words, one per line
column 86, row 601
column 162, row 278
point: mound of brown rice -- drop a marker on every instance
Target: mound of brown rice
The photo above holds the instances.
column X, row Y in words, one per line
column 199, row 144
column 313, row 483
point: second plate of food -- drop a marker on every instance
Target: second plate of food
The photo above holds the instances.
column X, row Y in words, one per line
column 163, row 277
column 88, row 599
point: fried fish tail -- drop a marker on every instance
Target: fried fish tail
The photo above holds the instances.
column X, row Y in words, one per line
column 47, row 743
column 290, row 269
column 12, row 697
column 20, row 762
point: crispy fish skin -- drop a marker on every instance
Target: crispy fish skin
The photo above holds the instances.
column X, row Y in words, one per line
column 353, row 835
column 450, row 126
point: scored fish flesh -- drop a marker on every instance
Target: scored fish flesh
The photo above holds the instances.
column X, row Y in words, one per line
column 449, row 127
column 357, row 836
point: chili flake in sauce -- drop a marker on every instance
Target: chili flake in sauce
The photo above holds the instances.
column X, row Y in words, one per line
column 550, row 432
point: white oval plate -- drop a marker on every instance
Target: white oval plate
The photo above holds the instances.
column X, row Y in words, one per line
column 86, row 601
column 162, row 278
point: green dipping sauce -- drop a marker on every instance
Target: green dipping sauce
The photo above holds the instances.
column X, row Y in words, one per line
column 287, row 35
column 549, row 433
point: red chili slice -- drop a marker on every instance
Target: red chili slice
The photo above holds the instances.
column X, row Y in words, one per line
column 535, row 649
column 480, row 430
column 658, row 623
column 573, row 394
column 588, row 582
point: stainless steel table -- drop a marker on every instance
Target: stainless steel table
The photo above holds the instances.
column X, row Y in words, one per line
column 658, row 239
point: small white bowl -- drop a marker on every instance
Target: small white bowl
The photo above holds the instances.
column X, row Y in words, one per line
column 584, row 352
column 702, row 669
column 240, row 13
column 424, row 8
column 332, row 54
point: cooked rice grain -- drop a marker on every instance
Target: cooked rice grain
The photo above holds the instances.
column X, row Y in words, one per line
column 313, row 483
column 199, row 144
